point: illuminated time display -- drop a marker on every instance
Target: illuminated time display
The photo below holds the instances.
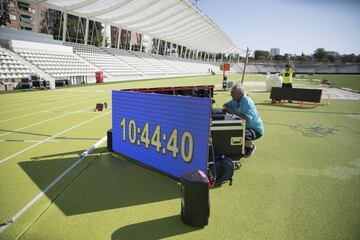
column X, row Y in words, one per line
column 175, row 143
column 162, row 131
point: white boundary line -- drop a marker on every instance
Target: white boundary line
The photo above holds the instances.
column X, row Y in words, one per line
column 42, row 193
column 49, row 138
column 71, row 98
column 34, row 105
column 44, row 121
column 52, row 109
column 26, row 141
column 40, row 99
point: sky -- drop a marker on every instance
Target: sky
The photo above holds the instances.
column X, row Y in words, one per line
column 294, row 26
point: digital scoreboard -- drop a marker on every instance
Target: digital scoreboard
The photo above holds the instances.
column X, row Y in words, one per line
column 169, row 133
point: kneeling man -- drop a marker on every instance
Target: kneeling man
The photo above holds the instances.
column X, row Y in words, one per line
column 243, row 107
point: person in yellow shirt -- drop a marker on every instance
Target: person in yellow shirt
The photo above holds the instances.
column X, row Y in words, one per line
column 287, row 75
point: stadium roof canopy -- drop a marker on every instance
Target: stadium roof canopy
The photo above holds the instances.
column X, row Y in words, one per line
column 176, row 21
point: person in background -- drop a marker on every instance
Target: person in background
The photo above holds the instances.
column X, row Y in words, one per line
column 287, row 75
column 243, row 107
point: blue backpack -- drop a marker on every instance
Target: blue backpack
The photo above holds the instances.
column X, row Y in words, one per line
column 222, row 170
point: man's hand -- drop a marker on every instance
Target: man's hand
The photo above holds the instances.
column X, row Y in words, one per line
column 228, row 110
column 231, row 111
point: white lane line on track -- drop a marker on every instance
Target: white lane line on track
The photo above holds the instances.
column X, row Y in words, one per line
column 19, row 213
column 34, row 105
column 40, row 99
column 41, row 122
column 43, row 111
column 42, row 104
column 49, row 138
column 25, row 141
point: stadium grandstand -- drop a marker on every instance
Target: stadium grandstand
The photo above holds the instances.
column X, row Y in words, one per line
column 188, row 41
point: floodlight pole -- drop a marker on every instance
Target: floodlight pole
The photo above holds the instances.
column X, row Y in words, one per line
column 245, row 63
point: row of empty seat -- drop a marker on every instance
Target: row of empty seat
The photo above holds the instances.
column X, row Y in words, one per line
column 120, row 63
column 163, row 66
column 72, row 60
column 111, row 65
column 134, row 61
column 60, row 65
column 55, row 60
column 11, row 68
column 188, row 66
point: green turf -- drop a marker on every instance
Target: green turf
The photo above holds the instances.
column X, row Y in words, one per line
column 344, row 81
column 302, row 183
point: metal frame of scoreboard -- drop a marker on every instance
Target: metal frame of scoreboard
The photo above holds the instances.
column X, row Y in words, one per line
column 195, row 91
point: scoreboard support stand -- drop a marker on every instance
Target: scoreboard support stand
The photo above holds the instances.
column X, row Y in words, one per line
column 296, row 94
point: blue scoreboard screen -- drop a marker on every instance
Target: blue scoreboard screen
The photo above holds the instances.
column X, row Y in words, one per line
column 167, row 132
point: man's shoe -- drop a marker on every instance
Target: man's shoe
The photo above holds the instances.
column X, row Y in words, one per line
column 250, row 151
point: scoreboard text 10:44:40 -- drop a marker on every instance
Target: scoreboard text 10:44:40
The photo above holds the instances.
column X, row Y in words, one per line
column 142, row 137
